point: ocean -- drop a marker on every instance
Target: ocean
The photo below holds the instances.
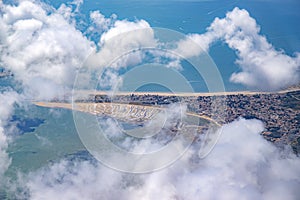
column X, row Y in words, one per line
column 279, row 22
column 55, row 137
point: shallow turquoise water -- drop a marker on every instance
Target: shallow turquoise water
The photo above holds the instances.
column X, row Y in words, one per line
column 57, row 137
column 51, row 141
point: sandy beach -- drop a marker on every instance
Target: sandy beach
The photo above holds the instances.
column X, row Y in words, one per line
column 91, row 92
column 106, row 108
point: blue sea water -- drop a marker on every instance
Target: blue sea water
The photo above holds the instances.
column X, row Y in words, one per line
column 55, row 137
column 279, row 22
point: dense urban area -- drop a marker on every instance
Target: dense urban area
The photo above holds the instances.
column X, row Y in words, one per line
column 279, row 111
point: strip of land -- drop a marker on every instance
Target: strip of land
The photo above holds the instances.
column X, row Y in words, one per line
column 280, row 111
column 117, row 110
column 182, row 94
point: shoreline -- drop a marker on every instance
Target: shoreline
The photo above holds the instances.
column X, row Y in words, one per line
column 123, row 93
column 84, row 107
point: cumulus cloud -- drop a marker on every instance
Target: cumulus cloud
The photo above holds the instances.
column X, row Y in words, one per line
column 99, row 24
column 41, row 48
column 262, row 65
column 7, row 101
column 152, row 136
column 243, row 165
column 120, row 47
column 126, row 26
column 123, row 37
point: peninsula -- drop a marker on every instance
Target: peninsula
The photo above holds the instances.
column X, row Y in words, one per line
column 280, row 111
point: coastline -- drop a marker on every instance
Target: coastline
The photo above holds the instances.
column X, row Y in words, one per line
column 86, row 107
column 89, row 92
column 89, row 107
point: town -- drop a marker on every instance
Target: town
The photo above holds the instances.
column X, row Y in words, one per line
column 280, row 112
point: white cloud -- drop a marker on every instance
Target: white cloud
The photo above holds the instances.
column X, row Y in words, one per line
column 41, row 48
column 243, row 165
column 262, row 65
column 7, row 101
column 152, row 137
column 125, row 26
column 102, row 23
column 188, row 48
column 120, row 46
column 119, row 40
column 99, row 24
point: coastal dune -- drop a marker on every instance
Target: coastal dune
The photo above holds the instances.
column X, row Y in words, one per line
column 125, row 112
